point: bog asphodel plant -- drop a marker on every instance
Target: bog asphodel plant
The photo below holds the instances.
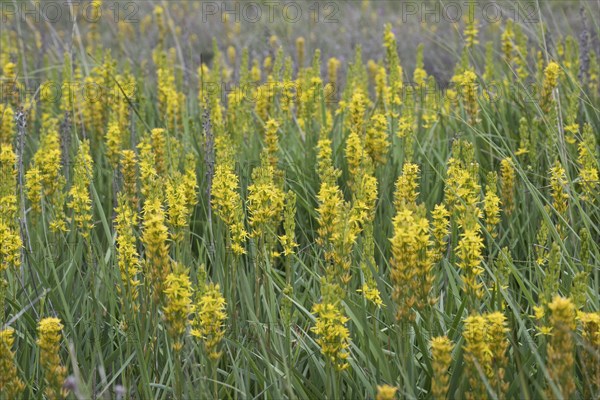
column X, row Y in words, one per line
column 485, row 353
column 155, row 235
column 333, row 337
column 11, row 385
column 227, row 203
column 80, row 198
column 561, row 346
column 208, row 324
column 49, row 338
column 178, row 304
column 441, row 359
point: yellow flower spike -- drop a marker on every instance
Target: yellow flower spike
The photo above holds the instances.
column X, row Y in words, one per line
column 10, row 384
column 49, row 338
column 407, row 187
column 210, row 318
column 156, row 248
column 265, row 200
column 300, row 51
column 411, row 263
column 129, row 164
column 561, row 347
column 440, row 230
column 333, row 64
column 477, row 353
column 333, row 335
column 81, row 201
column 386, row 392
column 551, row 76
column 227, row 203
column 272, row 141
column 588, row 166
column 114, row 143
column 491, row 205
column 178, row 305
column 590, row 324
column 376, row 141
column 441, row 358
column 507, row 184
column 127, row 254
column 7, row 124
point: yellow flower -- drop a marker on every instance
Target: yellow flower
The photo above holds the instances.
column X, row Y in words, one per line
column 588, row 165
column 81, row 202
column 114, row 143
column 156, row 248
column 178, row 300
column 371, row 293
column 10, row 383
column 507, row 184
column 386, row 392
column 333, row 336
column 7, row 122
column 561, row 347
column 491, row 205
column 128, row 257
column 129, row 171
column 227, row 203
column 210, row 318
column 469, row 252
column 441, row 358
column 551, row 75
column 590, row 323
column 440, row 230
column 49, row 338
column 407, row 187
column 411, row 263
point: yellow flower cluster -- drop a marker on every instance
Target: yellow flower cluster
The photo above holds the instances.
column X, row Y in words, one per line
column 411, row 263
column 333, row 336
column 265, row 201
column 114, row 143
column 210, row 317
column 560, row 194
column 386, row 392
column 178, row 300
column 227, row 204
column 81, row 202
column 10, row 238
column 156, row 248
column 10, row 384
column 44, row 179
column 128, row 165
column 491, row 205
column 7, row 124
column 467, row 84
column 588, row 165
column 441, row 358
column 590, row 323
column 128, row 257
column 440, row 230
column 180, row 194
column 49, row 337
column 376, row 140
column 485, row 353
column 551, row 75
column 507, row 185
column 407, row 186
column 561, row 347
